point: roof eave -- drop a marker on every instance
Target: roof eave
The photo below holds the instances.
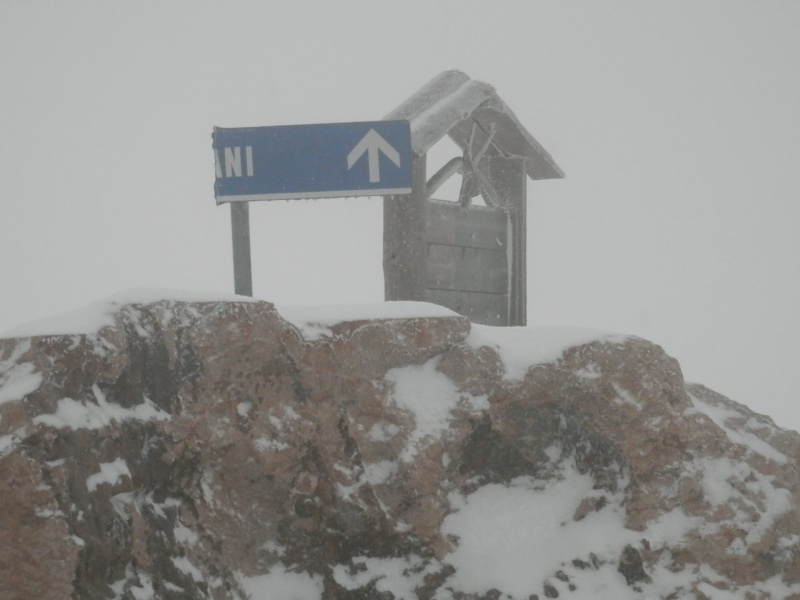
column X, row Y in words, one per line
column 451, row 98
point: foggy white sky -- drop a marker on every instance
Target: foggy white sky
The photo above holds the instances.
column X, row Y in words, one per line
column 677, row 125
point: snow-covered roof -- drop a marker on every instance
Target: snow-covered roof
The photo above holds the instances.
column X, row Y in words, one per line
column 453, row 104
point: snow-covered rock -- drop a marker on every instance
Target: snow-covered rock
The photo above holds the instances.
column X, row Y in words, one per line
column 226, row 449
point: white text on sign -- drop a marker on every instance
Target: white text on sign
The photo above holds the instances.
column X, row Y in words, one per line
column 231, row 165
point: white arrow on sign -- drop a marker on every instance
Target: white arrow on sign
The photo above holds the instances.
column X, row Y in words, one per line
column 372, row 143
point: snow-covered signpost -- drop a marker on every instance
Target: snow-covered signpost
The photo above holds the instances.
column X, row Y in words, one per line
column 329, row 160
column 466, row 253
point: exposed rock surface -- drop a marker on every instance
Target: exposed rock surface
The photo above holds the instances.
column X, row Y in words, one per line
column 215, row 450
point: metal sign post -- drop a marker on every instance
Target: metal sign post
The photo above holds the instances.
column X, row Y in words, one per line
column 370, row 158
column 240, row 234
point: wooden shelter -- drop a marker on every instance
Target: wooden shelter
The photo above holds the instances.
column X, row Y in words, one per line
column 467, row 256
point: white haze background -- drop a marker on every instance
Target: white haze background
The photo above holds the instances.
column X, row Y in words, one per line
column 677, row 124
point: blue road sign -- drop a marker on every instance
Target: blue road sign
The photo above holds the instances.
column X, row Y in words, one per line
column 328, row 160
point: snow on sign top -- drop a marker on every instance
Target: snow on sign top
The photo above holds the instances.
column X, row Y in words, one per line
column 371, row 158
column 451, row 102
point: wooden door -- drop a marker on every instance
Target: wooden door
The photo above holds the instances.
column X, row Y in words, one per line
column 470, row 259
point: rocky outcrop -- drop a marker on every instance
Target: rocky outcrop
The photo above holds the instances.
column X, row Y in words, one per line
column 218, row 450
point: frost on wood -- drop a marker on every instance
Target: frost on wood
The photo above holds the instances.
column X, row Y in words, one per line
column 218, row 450
column 445, row 105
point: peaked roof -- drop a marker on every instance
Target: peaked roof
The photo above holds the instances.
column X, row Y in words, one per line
column 453, row 104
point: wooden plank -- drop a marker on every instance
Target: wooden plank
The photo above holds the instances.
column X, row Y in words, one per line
column 508, row 176
column 447, row 223
column 404, row 246
column 467, row 269
column 511, row 136
column 485, row 309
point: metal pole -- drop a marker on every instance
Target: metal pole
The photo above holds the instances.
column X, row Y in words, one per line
column 240, row 233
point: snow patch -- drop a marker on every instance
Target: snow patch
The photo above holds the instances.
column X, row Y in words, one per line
column 625, row 397
column 185, row 566
column 184, row 535
column 9, row 442
column 93, row 318
column 143, row 591
column 751, row 494
column 380, row 472
column 431, row 397
column 400, row 576
column 382, row 431
column 720, row 416
column 669, row 529
column 590, row 371
column 264, row 444
column 315, row 322
column 18, row 380
column 523, row 347
column 110, row 473
column 515, row 537
column 282, row 583
column 73, row 414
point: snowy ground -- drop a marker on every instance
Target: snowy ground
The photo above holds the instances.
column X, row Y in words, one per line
column 515, row 537
column 511, row 537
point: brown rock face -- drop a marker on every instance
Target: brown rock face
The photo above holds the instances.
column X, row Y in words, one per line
column 210, row 450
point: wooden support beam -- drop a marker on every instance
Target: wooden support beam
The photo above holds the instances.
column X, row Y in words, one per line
column 404, row 245
column 509, row 179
